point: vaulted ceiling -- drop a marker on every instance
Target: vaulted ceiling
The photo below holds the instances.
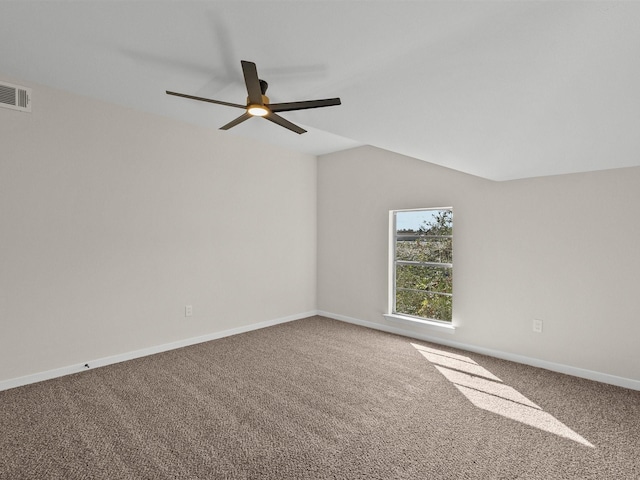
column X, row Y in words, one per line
column 497, row 89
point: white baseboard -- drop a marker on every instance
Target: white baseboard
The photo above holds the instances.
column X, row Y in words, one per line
column 534, row 362
column 101, row 362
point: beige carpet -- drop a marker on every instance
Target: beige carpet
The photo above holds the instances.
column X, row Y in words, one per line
column 319, row 399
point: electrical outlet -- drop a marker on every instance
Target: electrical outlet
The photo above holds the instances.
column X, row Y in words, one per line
column 188, row 310
column 537, row 325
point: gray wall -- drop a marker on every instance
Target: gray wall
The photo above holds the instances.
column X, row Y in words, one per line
column 111, row 221
column 563, row 249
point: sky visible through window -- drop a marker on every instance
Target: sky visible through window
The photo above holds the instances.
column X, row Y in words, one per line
column 412, row 220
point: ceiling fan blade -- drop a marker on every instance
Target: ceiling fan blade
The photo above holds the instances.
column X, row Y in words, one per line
column 288, row 106
column 235, row 122
column 206, row 100
column 284, row 123
column 252, row 82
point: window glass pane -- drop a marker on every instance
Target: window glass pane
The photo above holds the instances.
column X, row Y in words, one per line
column 411, row 221
column 424, row 249
column 424, row 304
column 417, row 277
column 431, row 222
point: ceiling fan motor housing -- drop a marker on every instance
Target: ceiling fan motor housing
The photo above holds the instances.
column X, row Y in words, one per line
column 258, row 110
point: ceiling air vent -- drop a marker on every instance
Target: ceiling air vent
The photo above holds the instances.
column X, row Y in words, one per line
column 15, row 97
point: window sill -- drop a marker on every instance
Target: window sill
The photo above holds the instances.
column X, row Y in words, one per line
column 431, row 325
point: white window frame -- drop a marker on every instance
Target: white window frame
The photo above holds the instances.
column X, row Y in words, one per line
column 441, row 325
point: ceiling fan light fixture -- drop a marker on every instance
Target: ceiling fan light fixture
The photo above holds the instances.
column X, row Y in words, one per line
column 257, row 110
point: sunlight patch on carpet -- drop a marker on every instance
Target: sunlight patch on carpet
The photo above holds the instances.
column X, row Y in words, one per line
column 488, row 392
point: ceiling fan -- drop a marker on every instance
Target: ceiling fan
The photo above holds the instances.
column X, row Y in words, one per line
column 258, row 103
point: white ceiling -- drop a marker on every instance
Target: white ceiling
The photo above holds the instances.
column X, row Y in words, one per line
column 502, row 90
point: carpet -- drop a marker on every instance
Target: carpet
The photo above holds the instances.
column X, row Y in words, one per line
column 319, row 399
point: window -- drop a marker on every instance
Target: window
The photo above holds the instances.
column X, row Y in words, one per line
column 422, row 262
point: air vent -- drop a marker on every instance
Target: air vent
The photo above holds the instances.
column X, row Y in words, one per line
column 15, row 97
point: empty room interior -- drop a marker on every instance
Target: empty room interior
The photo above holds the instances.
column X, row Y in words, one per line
column 190, row 292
